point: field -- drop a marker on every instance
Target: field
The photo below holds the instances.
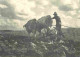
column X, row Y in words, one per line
column 17, row 44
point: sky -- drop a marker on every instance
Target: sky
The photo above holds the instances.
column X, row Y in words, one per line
column 15, row 13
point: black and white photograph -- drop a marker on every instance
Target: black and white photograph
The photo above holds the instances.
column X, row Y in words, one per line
column 39, row 28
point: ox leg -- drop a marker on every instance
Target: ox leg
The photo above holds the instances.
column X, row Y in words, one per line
column 44, row 32
column 48, row 32
column 29, row 34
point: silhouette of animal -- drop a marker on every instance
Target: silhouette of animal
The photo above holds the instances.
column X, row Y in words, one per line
column 37, row 25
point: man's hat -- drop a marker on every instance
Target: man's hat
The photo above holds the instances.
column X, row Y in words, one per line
column 55, row 13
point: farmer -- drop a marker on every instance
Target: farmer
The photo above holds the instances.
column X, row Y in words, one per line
column 58, row 24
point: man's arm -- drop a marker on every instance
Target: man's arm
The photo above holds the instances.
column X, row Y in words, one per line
column 53, row 18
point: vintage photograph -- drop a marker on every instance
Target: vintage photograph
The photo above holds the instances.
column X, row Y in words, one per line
column 39, row 28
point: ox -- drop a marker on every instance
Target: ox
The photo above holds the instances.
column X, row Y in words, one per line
column 37, row 25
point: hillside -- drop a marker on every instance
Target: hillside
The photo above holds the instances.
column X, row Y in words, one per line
column 17, row 44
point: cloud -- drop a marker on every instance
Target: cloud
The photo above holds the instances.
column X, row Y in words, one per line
column 23, row 6
column 13, row 24
column 17, row 12
column 66, row 5
column 7, row 15
column 7, row 11
column 65, row 8
column 7, row 28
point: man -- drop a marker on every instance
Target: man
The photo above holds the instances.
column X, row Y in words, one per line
column 58, row 24
column 58, row 21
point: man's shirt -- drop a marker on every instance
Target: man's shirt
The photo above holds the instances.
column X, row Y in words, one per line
column 58, row 21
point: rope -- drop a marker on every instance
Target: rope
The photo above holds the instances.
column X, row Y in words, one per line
column 61, row 25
